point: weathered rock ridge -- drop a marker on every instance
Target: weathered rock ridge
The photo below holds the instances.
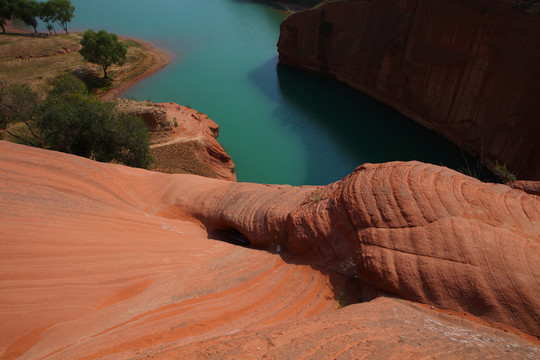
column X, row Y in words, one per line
column 104, row 261
column 422, row 232
column 466, row 69
column 184, row 139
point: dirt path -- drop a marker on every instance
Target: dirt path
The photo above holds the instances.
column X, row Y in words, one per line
column 177, row 140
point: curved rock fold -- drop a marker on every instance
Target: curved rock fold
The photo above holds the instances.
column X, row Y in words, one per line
column 104, row 261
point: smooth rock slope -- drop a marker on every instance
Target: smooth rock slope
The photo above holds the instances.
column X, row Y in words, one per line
column 104, row 261
column 466, row 69
column 93, row 263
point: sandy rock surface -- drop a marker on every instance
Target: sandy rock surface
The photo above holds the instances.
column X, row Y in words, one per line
column 105, row 261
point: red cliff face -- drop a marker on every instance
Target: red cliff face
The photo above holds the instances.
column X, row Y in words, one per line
column 466, row 69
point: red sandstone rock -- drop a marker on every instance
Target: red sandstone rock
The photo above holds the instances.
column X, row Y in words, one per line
column 419, row 231
column 384, row 328
column 531, row 187
column 105, row 261
column 174, row 124
column 466, row 69
column 196, row 126
column 93, row 263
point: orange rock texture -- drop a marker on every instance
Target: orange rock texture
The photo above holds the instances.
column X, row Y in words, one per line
column 196, row 126
column 172, row 124
column 466, row 69
column 418, row 231
column 95, row 263
column 105, row 261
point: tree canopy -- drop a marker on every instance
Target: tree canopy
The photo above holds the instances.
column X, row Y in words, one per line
column 7, row 8
column 64, row 12
column 59, row 11
column 52, row 11
column 103, row 49
column 28, row 11
column 72, row 121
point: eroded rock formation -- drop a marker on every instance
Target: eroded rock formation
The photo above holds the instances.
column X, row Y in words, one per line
column 105, row 261
column 184, row 139
column 419, row 231
column 94, row 263
column 466, row 69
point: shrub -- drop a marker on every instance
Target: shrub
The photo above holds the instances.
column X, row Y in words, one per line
column 72, row 121
column 18, row 103
column 503, row 173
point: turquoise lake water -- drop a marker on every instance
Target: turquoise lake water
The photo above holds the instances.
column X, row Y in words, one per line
column 280, row 125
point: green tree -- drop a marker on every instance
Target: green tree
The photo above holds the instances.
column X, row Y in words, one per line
column 64, row 12
column 59, row 11
column 72, row 121
column 47, row 14
column 28, row 11
column 18, row 103
column 103, row 49
column 7, row 8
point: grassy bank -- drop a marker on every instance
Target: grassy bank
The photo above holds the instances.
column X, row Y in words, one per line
column 37, row 59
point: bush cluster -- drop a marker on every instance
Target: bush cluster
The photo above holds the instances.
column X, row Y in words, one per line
column 52, row 11
column 72, row 121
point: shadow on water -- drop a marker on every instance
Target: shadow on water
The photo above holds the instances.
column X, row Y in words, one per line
column 343, row 128
column 294, row 5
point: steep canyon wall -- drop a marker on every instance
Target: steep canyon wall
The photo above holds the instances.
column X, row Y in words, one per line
column 469, row 70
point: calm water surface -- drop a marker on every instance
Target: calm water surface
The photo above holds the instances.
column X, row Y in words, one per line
column 279, row 125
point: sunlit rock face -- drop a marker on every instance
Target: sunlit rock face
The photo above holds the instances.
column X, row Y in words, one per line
column 105, row 261
column 422, row 232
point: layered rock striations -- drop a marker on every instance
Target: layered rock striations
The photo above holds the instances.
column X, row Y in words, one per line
column 384, row 328
column 418, row 231
column 466, row 69
column 104, row 261
column 94, row 263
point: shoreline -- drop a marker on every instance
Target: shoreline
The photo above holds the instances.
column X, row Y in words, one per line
column 158, row 59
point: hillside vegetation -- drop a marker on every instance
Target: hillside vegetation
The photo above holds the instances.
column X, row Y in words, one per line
column 36, row 60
